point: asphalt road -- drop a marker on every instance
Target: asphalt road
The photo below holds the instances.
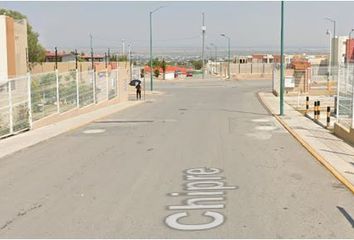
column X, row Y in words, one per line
column 202, row 160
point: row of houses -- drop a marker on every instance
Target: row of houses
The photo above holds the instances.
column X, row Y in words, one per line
column 341, row 51
column 63, row 56
column 289, row 58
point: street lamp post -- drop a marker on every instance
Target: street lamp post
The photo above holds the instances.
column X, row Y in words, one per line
column 216, row 51
column 151, row 12
column 282, row 60
column 334, row 25
column 330, row 53
column 229, row 57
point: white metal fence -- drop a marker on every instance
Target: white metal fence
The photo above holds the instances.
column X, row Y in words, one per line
column 29, row 98
column 345, row 94
column 323, row 81
column 316, row 80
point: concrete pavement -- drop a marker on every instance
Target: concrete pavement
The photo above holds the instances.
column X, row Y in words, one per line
column 23, row 140
column 331, row 151
column 139, row 173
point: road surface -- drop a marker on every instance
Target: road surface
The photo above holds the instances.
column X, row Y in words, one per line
column 202, row 160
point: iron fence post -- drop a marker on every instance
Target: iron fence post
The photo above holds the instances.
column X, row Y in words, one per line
column 77, row 89
column 94, row 86
column 57, row 81
column 338, row 87
column 107, row 83
column 29, row 92
column 9, row 87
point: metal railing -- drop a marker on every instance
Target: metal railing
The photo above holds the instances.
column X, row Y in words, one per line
column 323, row 81
column 345, row 97
column 29, row 98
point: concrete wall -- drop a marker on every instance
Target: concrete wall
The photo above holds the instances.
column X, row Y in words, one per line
column 246, row 70
column 67, row 66
column 339, row 49
column 21, row 45
column 124, row 79
column 13, row 45
column 346, row 134
column 3, row 49
column 10, row 47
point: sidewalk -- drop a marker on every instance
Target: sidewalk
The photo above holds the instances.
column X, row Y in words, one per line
column 335, row 154
column 30, row 138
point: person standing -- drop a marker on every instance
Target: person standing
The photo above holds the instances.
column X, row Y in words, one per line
column 138, row 92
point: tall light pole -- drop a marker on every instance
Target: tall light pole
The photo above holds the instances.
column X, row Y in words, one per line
column 130, row 61
column 334, row 25
column 151, row 12
column 282, row 60
column 229, row 55
column 216, row 51
column 123, row 47
column 210, row 54
column 203, row 43
column 330, row 52
column 92, row 66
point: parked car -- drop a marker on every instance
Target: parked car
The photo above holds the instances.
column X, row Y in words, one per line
column 189, row 74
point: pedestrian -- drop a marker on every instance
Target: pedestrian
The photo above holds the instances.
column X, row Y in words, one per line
column 138, row 92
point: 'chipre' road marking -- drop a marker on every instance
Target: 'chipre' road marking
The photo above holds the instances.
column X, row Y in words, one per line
column 206, row 193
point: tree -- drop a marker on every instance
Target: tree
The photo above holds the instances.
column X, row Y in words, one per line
column 123, row 58
column 163, row 66
column 157, row 73
column 197, row 64
column 36, row 53
column 155, row 63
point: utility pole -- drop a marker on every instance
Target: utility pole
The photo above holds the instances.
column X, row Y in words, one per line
column 76, row 59
column 123, row 47
column 330, row 53
column 282, row 60
column 130, row 61
column 56, row 58
column 151, row 71
column 27, row 61
column 92, row 66
column 216, row 51
column 109, row 56
column 334, row 25
column 203, row 41
column 228, row 54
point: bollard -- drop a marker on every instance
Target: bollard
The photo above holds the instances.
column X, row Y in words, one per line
column 315, row 110
column 307, row 104
column 318, row 110
column 328, row 116
column 335, row 105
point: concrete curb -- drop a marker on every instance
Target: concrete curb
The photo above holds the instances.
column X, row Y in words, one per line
column 308, row 147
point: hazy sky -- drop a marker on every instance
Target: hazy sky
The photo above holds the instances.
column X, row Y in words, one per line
column 178, row 26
